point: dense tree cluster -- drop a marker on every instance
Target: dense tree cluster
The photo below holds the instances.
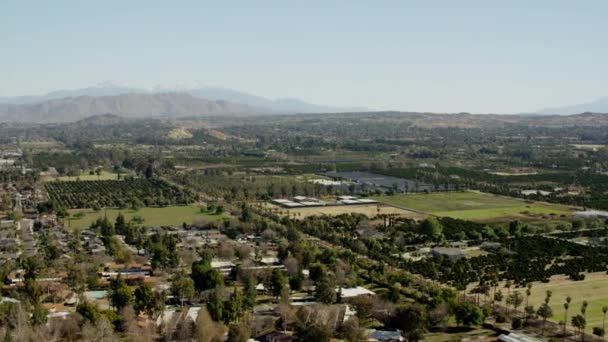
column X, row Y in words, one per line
column 113, row 193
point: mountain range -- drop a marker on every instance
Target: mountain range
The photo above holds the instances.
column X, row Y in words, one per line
column 108, row 97
column 129, row 105
column 131, row 102
column 597, row 106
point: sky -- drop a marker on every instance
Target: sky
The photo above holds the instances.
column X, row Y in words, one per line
column 436, row 56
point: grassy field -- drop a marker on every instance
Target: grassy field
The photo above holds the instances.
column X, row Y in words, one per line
column 369, row 210
column 594, row 289
column 477, row 206
column 168, row 216
column 85, row 176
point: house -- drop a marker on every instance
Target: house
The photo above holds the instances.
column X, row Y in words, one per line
column 458, row 244
column 9, row 245
column 489, row 246
column 450, row 253
column 355, row 292
column 6, row 224
column 270, row 260
column 224, row 266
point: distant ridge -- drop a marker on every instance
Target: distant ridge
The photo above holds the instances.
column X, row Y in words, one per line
column 130, row 105
column 278, row 106
column 596, row 106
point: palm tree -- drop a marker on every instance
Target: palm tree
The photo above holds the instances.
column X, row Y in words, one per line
column 566, row 307
column 579, row 322
column 508, row 285
column 584, row 313
column 604, row 311
column 545, row 310
column 528, row 293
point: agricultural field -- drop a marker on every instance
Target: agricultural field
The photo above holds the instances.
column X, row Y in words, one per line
column 370, row 210
column 479, row 207
column 85, row 176
column 167, row 216
column 594, row 289
column 114, row 193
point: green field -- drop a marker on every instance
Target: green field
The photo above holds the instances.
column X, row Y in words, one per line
column 594, row 289
column 168, row 216
column 85, row 176
column 477, row 206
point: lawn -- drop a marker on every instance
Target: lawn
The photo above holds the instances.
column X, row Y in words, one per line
column 477, row 206
column 168, row 216
column 594, row 289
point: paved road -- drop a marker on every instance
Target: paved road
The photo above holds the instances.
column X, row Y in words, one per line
column 28, row 243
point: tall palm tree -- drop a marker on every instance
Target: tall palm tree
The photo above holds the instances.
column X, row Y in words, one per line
column 584, row 313
column 508, row 285
column 546, row 310
column 566, row 307
column 528, row 293
column 604, row 311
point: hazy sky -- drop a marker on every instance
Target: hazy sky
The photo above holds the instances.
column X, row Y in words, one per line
column 479, row 56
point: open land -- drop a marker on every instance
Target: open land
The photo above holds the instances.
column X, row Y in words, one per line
column 167, row 216
column 369, row 210
column 480, row 207
column 594, row 289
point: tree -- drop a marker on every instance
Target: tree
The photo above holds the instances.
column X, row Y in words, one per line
column 598, row 331
column 432, row 229
column 515, row 299
column 144, row 299
column 316, row 271
column 566, row 307
column 412, row 320
column 249, row 293
column 149, row 171
column 121, row 294
column 204, row 276
column 604, row 311
column 312, row 332
column 325, row 290
column 351, row 330
column 468, row 314
column 545, row 312
column 508, row 285
column 276, row 282
column 120, row 224
column 182, row 287
column 498, row 296
column 33, row 290
column 584, row 313
column 239, row 332
column 233, row 308
column 206, row 330
column 39, row 315
column 579, row 322
column 578, row 224
column 77, row 278
column 215, row 304
column 88, row 311
column 528, row 294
